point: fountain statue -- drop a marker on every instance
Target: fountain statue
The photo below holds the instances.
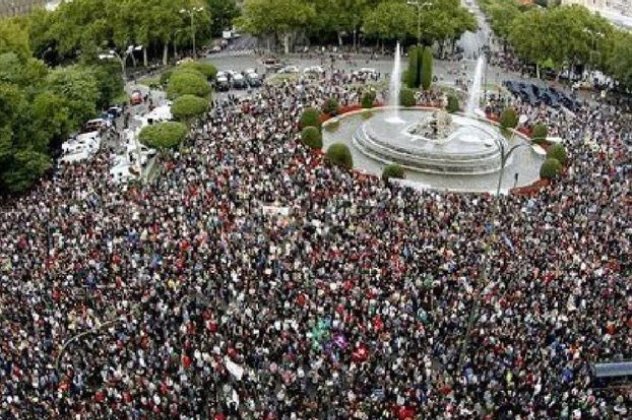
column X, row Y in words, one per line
column 436, row 128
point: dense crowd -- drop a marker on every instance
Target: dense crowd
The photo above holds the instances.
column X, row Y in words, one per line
column 252, row 280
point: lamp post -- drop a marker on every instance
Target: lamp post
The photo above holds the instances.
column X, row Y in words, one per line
column 175, row 35
column 191, row 12
column 419, row 6
column 506, row 154
column 122, row 59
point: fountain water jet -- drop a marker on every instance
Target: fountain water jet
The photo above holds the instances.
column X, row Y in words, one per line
column 473, row 101
column 394, row 87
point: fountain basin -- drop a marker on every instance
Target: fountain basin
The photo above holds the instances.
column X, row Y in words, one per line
column 423, row 142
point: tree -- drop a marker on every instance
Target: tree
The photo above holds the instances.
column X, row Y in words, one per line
column 14, row 39
column 310, row 118
column 337, row 18
column 413, row 73
column 392, row 171
column 188, row 107
column 277, row 18
column 310, row 136
column 557, row 152
column 426, row 69
column 109, row 83
column 187, row 83
column 453, row 104
column 619, row 60
column 339, row 154
column 164, row 135
column 331, row 106
column 390, row 20
column 80, row 90
column 222, row 14
column 550, row 169
column 407, row 98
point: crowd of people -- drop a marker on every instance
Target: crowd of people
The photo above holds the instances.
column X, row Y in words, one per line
column 253, row 280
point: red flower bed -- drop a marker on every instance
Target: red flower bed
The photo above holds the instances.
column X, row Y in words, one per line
column 533, row 189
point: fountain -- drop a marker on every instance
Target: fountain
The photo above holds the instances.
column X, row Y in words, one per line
column 473, row 101
column 394, row 87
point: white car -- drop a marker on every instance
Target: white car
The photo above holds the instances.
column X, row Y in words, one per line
column 249, row 71
column 314, row 70
column 76, row 157
column 289, row 69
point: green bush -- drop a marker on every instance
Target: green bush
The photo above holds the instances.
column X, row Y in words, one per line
column 339, row 154
column 310, row 136
column 557, row 152
column 368, row 99
column 407, row 97
column 187, row 82
column 550, row 168
column 426, row 68
column 413, row 73
column 164, row 135
column 188, row 107
column 392, row 171
column 508, row 118
column 206, row 69
column 310, row 118
column 332, row 126
column 539, row 132
column 453, row 104
column 331, row 106
column 165, row 76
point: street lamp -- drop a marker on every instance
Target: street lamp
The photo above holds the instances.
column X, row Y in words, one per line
column 191, row 12
column 122, row 59
column 419, row 6
column 506, row 154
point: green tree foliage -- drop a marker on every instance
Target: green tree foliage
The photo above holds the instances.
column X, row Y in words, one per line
column 368, row 99
column 426, row 69
column 188, row 107
column 109, row 83
column 390, row 20
column 331, row 106
column 539, row 132
column 311, row 136
column 337, row 17
column 453, row 104
column 619, row 59
column 206, row 69
column 407, row 97
column 550, row 169
column 413, row 73
column 310, row 118
column 164, row 135
column 80, row 89
column 508, row 118
column 557, row 152
column 14, row 39
column 392, row 171
column 187, row 83
column 339, row 154
column 223, row 12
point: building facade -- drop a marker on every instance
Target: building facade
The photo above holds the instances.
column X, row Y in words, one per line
column 9, row 8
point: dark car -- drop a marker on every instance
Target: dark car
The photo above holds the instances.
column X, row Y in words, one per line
column 253, row 80
column 222, row 84
column 239, row 81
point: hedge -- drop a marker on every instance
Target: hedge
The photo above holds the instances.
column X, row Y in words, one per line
column 206, row 69
column 368, row 99
column 539, row 132
column 557, row 152
column 412, row 76
column 453, row 104
column 309, row 118
column 407, row 98
column 392, row 171
column 187, row 82
column 550, row 168
column 331, row 106
column 339, row 154
column 508, row 118
column 310, row 136
column 187, row 107
column 426, row 68
column 164, row 135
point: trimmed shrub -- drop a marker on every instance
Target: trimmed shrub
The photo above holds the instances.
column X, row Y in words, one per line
column 332, row 126
column 453, row 104
column 508, row 118
column 557, row 152
column 426, row 68
column 539, row 132
column 310, row 136
column 338, row 154
column 187, row 83
column 368, row 99
column 309, row 118
column 550, row 168
column 331, row 106
column 407, row 97
column 164, row 135
column 187, row 107
column 413, row 73
column 392, row 171
column 206, row 69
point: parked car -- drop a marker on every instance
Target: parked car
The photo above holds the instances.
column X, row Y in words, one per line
column 271, row 63
column 239, row 82
column 222, row 84
column 96, row 124
column 289, row 70
column 313, row 70
column 253, row 80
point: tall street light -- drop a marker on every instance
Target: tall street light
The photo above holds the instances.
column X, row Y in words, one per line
column 191, row 12
column 122, row 58
column 419, row 6
column 506, row 154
